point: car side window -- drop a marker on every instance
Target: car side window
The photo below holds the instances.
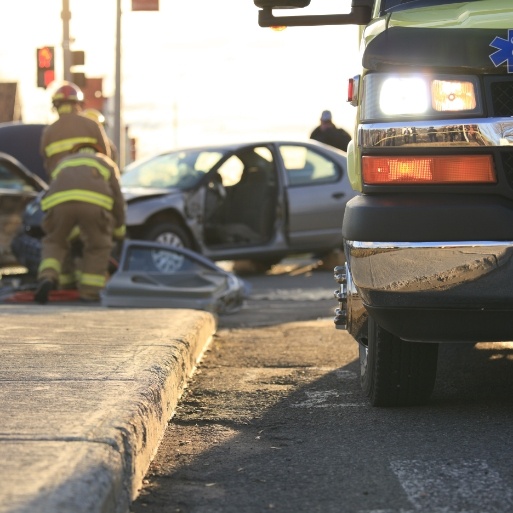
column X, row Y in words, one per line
column 10, row 180
column 307, row 167
column 231, row 171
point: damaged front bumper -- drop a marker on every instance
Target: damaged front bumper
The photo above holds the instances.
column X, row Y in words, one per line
column 436, row 291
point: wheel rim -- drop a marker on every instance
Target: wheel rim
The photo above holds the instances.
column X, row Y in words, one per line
column 171, row 239
column 166, row 261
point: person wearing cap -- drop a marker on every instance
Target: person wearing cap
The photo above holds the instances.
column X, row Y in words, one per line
column 70, row 129
column 328, row 133
column 84, row 194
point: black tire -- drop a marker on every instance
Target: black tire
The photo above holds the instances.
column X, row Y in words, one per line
column 169, row 233
column 394, row 372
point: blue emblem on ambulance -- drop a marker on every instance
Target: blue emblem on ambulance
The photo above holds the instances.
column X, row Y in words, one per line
column 504, row 51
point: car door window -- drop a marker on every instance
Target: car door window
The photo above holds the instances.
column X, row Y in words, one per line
column 10, row 180
column 304, row 166
column 244, row 213
column 231, row 171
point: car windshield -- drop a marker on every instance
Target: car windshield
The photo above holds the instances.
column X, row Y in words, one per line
column 180, row 170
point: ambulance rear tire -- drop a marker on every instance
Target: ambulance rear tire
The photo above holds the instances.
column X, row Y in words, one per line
column 395, row 372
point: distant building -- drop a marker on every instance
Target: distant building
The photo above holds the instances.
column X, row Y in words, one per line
column 93, row 94
column 10, row 105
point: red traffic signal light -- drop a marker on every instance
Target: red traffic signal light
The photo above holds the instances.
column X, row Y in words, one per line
column 45, row 66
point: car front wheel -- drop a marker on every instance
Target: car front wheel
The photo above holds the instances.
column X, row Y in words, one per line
column 170, row 234
column 394, row 372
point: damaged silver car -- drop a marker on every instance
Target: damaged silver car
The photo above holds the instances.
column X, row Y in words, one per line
column 258, row 201
column 250, row 201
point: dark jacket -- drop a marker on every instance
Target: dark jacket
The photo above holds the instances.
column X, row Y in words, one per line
column 331, row 135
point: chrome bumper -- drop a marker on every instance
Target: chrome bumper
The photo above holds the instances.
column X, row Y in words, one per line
column 416, row 277
column 455, row 133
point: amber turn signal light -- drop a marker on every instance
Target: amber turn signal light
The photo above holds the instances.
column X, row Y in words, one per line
column 447, row 169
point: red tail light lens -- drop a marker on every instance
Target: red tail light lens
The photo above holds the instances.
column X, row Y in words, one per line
column 350, row 90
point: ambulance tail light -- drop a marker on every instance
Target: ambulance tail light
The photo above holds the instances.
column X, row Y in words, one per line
column 352, row 90
column 430, row 170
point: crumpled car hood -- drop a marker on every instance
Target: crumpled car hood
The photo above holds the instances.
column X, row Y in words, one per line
column 137, row 193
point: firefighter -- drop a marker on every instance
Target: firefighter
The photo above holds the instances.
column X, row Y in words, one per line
column 71, row 128
column 97, row 116
column 84, row 192
column 57, row 141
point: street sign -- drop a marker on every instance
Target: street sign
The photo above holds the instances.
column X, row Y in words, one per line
column 145, row 5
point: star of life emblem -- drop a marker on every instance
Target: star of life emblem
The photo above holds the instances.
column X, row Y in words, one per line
column 504, row 51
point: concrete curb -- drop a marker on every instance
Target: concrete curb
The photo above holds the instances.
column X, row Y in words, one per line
column 86, row 395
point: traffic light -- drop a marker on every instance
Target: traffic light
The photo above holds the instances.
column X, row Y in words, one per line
column 79, row 79
column 45, row 66
column 78, row 59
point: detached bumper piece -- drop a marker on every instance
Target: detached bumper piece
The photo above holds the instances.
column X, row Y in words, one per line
column 152, row 275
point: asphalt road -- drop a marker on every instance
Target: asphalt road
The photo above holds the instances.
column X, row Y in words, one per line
column 274, row 420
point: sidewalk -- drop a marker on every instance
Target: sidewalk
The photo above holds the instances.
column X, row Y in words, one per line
column 85, row 395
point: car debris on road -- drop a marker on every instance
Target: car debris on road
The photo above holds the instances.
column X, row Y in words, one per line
column 151, row 275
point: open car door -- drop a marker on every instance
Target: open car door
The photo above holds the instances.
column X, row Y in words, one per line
column 152, row 275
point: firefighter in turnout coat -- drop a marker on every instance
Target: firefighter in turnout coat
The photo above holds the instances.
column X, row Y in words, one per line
column 84, row 193
column 58, row 140
column 71, row 129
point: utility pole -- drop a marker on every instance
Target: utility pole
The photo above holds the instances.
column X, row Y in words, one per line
column 66, row 52
column 119, row 140
column 118, row 135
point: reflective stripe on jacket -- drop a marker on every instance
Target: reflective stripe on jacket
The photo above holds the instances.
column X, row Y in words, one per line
column 90, row 179
column 71, row 129
column 77, row 195
column 66, row 145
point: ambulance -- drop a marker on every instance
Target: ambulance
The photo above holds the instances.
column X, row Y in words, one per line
column 428, row 239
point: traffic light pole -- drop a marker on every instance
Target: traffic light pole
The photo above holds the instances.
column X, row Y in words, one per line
column 66, row 52
column 119, row 141
column 119, row 138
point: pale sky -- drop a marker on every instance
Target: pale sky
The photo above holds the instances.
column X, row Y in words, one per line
column 196, row 72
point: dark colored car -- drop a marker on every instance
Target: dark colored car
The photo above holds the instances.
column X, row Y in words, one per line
column 18, row 187
column 21, row 141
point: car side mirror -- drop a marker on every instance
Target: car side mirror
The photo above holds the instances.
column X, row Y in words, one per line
column 361, row 14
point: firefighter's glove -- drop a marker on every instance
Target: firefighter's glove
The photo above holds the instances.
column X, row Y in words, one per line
column 119, row 233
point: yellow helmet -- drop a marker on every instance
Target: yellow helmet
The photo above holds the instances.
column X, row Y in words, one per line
column 95, row 115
